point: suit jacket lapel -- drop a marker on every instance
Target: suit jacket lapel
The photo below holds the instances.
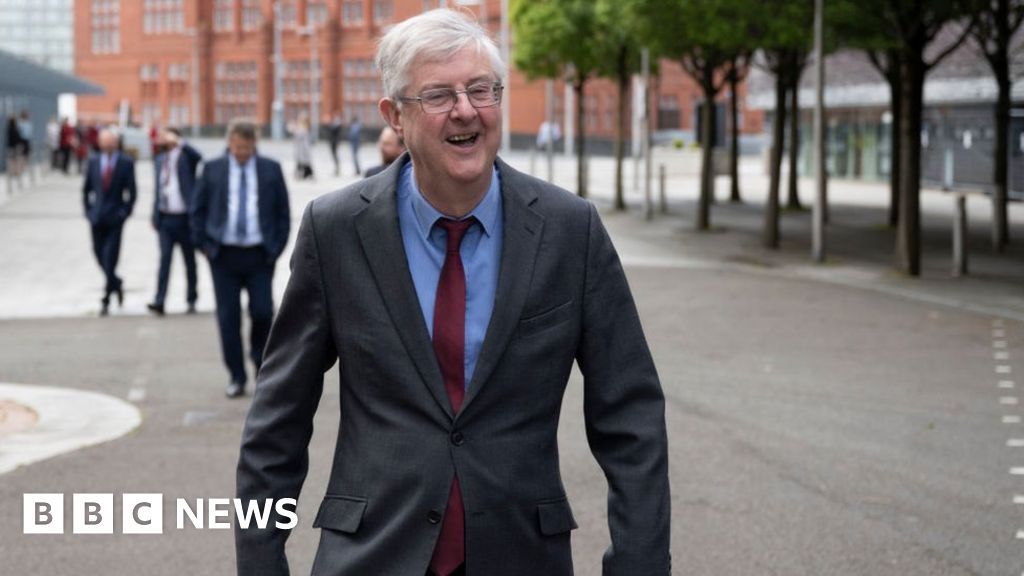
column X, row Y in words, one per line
column 224, row 190
column 381, row 239
column 523, row 228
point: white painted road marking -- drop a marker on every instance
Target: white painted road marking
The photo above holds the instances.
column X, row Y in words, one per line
column 1011, row 419
column 1015, row 443
column 1017, row 471
column 999, row 333
column 1000, row 355
column 1006, row 384
column 999, row 343
column 1003, row 369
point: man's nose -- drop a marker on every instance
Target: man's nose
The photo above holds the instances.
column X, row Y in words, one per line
column 463, row 107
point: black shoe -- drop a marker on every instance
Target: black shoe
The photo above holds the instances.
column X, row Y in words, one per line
column 235, row 390
column 191, row 308
column 155, row 308
column 120, row 296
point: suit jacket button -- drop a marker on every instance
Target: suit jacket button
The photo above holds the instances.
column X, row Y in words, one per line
column 433, row 517
column 457, row 438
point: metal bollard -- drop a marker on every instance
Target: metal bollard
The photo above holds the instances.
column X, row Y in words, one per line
column 960, row 235
column 661, row 189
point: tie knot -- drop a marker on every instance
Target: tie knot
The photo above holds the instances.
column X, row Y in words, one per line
column 456, row 230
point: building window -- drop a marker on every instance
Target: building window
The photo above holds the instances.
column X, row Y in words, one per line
column 289, row 13
column 234, row 89
column 178, row 114
column 106, row 26
column 352, row 13
column 383, row 11
column 316, row 12
column 361, row 90
column 224, row 15
column 178, row 72
column 163, row 16
column 298, row 91
column 252, row 17
column 149, row 73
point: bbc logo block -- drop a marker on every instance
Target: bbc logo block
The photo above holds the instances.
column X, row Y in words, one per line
column 93, row 514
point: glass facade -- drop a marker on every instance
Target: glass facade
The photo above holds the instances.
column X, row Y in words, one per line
column 39, row 30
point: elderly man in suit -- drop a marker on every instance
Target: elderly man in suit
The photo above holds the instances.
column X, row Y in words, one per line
column 455, row 293
column 108, row 193
column 175, row 166
column 240, row 220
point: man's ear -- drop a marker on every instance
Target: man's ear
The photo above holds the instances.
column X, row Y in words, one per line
column 392, row 114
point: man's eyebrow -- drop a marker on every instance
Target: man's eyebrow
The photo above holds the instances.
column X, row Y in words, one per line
column 470, row 82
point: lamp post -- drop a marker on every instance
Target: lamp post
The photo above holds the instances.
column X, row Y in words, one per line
column 196, row 120
column 277, row 108
column 314, row 76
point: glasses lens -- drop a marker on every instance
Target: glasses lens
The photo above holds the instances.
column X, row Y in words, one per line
column 439, row 100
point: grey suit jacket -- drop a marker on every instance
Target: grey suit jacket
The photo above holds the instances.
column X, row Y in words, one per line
column 561, row 297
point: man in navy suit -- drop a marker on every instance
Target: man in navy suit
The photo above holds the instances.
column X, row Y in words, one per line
column 240, row 221
column 175, row 180
column 108, row 194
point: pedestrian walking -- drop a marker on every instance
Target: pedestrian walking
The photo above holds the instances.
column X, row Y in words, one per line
column 53, row 142
column 334, row 139
column 108, row 193
column 67, row 144
column 15, row 145
column 302, row 148
column 176, row 164
column 355, row 135
column 456, row 294
column 390, row 147
column 240, row 221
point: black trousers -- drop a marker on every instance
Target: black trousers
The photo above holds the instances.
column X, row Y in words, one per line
column 106, row 246
column 233, row 269
column 174, row 229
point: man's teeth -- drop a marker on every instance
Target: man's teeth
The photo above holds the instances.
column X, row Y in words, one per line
column 461, row 138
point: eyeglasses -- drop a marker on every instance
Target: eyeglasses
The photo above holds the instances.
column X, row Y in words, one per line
column 442, row 100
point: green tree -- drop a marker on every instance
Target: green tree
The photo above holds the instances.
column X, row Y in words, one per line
column 914, row 28
column 618, row 44
column 785, row 45
column 555, row 39
column 997, row 23
column 706, row 37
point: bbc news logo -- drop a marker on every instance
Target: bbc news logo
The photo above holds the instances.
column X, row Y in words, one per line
column 144, row 513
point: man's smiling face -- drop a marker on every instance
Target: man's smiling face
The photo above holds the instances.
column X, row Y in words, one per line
column 456, row 149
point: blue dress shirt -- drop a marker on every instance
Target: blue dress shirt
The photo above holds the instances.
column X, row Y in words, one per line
column 480, row 250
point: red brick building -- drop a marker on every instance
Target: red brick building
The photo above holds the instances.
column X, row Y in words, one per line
column 143, row 51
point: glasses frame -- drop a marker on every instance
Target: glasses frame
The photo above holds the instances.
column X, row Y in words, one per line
column 497, row 87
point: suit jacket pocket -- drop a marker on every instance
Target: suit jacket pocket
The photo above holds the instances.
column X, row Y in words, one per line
column 341, row 513
column 547, row 319
column 555, row 517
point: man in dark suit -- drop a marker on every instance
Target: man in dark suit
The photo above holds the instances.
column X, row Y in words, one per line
column 455, row 293
column 108, row 193
column 240, row 221
column 175, row 167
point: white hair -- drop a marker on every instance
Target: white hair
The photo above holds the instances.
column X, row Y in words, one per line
column 433, row 36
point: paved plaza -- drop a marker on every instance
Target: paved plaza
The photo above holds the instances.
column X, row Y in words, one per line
column 823, row 419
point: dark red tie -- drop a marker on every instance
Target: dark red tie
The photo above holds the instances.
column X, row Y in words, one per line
column 108, row 174
column 450, row 348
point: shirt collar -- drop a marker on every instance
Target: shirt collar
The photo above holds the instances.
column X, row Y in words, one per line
column 234, row 161
column 485, row 212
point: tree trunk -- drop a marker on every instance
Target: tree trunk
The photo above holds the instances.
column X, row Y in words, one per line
column 1000, row 220
column 620, row 129
column 908, row 235
column 581, row 155
column 734, row 145
column 707, row 174
column 896, row 108
column 771, row 210
column 793, row 197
